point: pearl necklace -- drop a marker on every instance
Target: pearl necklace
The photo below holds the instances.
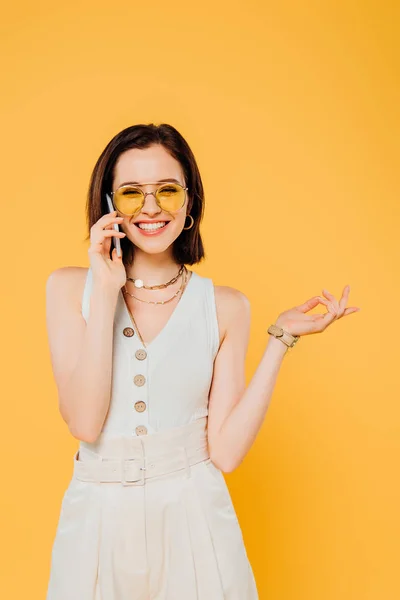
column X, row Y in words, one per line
column 180, row 290
column 139, row 282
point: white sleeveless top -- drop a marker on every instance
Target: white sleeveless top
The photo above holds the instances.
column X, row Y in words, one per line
column 165, row 384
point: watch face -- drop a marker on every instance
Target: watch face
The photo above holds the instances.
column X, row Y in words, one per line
column 278, row 331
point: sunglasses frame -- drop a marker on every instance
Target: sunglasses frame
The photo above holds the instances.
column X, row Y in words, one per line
column 145, row 194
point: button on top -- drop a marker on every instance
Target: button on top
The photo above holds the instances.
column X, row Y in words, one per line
column 128, row 332
column 141, row 354
column 139, row 380
column 141, row 430
column 140, row 406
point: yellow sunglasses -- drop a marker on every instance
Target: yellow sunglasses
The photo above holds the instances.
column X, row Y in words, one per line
column 129, row 199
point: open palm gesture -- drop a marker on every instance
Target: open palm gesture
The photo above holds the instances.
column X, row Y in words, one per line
column 297, row 322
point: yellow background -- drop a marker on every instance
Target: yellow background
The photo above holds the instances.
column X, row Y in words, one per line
column 291, row 109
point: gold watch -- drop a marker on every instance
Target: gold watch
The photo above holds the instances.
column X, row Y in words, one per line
column 285, row 337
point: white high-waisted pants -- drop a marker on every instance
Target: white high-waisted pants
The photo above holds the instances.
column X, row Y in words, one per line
column 149, row 518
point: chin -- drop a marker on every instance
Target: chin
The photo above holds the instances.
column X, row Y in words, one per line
column 153, row 249
column 153, row 245
column 158, row 242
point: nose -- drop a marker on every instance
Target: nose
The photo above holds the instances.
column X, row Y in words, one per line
column 150, row 206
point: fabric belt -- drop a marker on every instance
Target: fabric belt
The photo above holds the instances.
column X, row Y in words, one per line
column 165, row 454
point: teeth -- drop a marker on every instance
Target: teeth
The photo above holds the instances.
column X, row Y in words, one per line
column 151, row 226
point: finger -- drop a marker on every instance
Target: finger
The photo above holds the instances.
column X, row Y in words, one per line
column 106, row 220
column 106, row 233
column 333, row 306
column 330, row 306
column 115, row 256
column 311, row 303
column 333, row 300
column 324, row 320
column 110, row 226
column 344, row 299
column 112, row 221
column 103, row 238
column 350, row 310
column 108, row 215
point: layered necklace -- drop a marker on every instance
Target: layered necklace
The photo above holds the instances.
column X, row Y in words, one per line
column 140, row 284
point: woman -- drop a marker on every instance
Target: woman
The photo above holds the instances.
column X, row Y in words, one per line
column 148, row 359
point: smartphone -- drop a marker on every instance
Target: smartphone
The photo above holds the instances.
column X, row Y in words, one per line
column 117, row 241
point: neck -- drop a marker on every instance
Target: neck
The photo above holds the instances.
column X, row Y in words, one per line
column 153, row 269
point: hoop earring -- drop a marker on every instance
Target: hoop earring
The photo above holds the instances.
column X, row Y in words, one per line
column 191, row 224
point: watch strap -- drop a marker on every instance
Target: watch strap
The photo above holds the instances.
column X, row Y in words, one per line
column 284, row 336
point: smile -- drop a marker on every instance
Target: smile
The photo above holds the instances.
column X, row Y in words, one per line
column 152, row 228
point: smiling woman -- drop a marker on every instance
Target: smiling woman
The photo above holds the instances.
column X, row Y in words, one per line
column 149, row 363
column 135, row 168
column 147, row 513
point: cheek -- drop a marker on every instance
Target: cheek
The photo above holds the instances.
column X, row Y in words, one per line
column 180, row 218
column 178, row 224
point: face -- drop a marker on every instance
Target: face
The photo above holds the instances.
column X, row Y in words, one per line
column 145, row 167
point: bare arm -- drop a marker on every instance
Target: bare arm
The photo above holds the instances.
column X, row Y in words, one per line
column 81, row 354
column 236, row 413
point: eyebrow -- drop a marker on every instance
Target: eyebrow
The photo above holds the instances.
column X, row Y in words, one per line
column 159, row 181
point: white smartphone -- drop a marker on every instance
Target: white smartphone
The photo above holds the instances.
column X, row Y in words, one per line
column 117, row 241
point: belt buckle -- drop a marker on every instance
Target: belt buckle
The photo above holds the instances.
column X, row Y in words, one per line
column 126, row 481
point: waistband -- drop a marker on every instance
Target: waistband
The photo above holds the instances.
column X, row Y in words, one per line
column 133, row 460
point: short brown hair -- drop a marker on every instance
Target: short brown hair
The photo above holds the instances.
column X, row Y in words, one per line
column 188, row 247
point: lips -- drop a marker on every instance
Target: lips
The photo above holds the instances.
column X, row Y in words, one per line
column 152, row 231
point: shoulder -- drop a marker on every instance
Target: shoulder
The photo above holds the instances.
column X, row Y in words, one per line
column 66, row 281
column 232, row 305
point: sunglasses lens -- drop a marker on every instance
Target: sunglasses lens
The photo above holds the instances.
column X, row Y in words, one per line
column 128, row 199
column 171, row 197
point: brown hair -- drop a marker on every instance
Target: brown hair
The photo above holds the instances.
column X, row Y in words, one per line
column 188, row 247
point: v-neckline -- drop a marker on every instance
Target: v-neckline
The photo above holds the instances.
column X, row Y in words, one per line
column 173, row 316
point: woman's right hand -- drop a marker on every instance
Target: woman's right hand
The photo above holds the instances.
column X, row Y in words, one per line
column 109, row 272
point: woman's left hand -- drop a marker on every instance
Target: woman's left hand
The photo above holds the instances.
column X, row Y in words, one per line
column 296, row 322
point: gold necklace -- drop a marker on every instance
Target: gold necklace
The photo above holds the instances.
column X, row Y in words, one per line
column 181, row 289
column 125, row 291
column 139, row 282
